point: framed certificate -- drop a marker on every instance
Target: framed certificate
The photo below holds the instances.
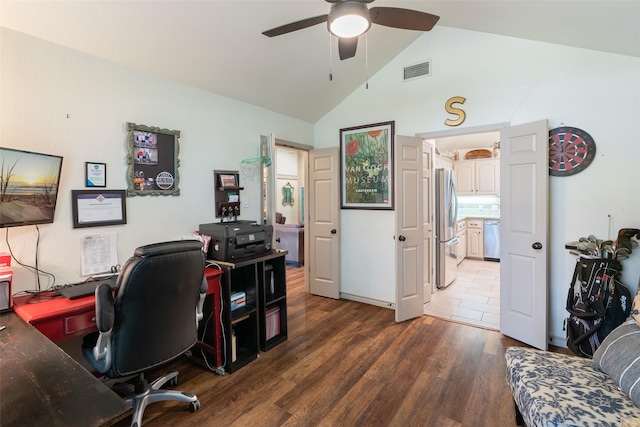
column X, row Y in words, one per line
column 94, row 208
column 95, row 174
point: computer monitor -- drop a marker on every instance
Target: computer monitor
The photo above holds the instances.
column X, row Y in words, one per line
column 29, row 184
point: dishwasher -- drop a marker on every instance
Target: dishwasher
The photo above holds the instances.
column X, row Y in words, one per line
column 491, row 239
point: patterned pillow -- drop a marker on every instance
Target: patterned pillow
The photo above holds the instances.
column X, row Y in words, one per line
column 619, row 357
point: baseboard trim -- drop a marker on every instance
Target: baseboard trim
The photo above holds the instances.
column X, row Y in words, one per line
column 370, row 301
column 558, row 341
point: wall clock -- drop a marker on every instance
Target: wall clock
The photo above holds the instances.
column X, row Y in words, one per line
column 571, row 150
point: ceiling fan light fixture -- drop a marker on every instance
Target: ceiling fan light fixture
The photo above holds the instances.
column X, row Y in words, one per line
column 349, row 19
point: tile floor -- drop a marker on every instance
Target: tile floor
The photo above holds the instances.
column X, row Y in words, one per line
column 473, row 298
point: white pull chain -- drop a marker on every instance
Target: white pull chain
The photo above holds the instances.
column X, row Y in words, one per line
column 330, row 58
column 366, row 59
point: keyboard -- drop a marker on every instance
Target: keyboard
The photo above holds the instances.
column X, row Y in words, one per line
column 85, row 289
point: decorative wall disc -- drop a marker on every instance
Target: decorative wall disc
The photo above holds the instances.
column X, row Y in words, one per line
column 571, row 150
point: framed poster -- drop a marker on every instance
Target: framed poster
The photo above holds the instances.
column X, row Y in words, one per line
column 366, row 166
column 152, row 161
column 95, row 174
column 94, row 208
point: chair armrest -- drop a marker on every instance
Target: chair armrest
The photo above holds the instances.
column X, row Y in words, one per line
column 204, row 287
column 105, row 311
column 105, row 316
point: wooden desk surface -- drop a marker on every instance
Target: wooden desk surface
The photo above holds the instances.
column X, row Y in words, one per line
column 241, row 262
column 41, row 385
column 58, row 318
column 52, row 308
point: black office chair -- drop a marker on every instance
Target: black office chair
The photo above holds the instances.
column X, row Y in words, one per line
column 152, row 320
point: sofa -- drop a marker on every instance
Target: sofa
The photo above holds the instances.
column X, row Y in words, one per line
column 552, row 389
column 290, row 237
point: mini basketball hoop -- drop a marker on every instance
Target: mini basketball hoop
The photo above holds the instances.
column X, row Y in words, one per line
column 250, row 167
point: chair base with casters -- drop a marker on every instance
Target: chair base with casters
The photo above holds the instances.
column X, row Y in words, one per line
column 139, row 393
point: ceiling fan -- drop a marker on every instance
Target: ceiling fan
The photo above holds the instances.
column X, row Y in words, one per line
column 347, row 19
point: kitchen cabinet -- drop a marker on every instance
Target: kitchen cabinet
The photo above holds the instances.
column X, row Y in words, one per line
column 475, row 239
column 461, row 234
column 477, row 177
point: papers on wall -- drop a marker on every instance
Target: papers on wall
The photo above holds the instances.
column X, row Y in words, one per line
column 99, row 253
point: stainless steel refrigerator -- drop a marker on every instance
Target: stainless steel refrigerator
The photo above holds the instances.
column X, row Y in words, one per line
column 446, row 240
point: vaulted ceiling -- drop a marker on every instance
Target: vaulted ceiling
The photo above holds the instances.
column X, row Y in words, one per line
column 217, row 45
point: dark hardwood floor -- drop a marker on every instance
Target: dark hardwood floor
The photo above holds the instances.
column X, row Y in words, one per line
column 350, row 364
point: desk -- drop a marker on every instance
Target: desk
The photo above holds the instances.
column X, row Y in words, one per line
column 41, row 385
column 59, row 318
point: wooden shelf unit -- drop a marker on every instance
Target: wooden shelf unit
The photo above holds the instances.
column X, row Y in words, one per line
column 272, row 295
column 246, row 325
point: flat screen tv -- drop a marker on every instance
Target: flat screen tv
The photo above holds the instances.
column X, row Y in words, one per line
column 29, row 184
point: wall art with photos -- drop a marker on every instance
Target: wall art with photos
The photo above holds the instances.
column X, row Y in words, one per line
column 366, row 166
column 152, row 161
column 228, row 181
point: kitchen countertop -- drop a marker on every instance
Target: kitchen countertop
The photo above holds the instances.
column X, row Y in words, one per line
column 467, row 218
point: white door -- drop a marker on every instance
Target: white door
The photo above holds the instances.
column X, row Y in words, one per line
column 524, row 180
column 409, row 227
column 324, row 222
column 428, row 248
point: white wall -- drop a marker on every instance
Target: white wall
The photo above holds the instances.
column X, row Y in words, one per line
column 505, row 80
column 42, row 83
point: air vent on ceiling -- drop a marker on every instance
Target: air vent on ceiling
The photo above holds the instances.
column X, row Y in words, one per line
column 417, row 70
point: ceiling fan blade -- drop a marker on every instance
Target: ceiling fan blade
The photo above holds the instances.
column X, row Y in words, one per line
column 405, row 19
column 295, row 26
column 347, row 47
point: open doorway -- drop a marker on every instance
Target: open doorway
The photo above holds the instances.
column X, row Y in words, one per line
column 289, row 206
column 474, row 295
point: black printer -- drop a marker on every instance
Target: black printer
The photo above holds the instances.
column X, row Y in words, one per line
column 237, row 239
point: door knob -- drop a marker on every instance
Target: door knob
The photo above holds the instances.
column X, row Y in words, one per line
column 537, row 245
column 402, row 238
column 278, row 240
column 334, row 231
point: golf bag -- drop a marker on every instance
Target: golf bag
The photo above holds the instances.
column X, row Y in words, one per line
column 597, row 303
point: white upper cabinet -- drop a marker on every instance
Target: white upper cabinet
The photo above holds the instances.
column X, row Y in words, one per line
column 477, row 177
column 465, row 172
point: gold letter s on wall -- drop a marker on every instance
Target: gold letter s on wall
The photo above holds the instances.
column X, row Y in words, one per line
column 457, row 111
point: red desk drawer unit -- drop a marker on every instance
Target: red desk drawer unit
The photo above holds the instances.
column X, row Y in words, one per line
column 213, row 344
column 58, row 318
